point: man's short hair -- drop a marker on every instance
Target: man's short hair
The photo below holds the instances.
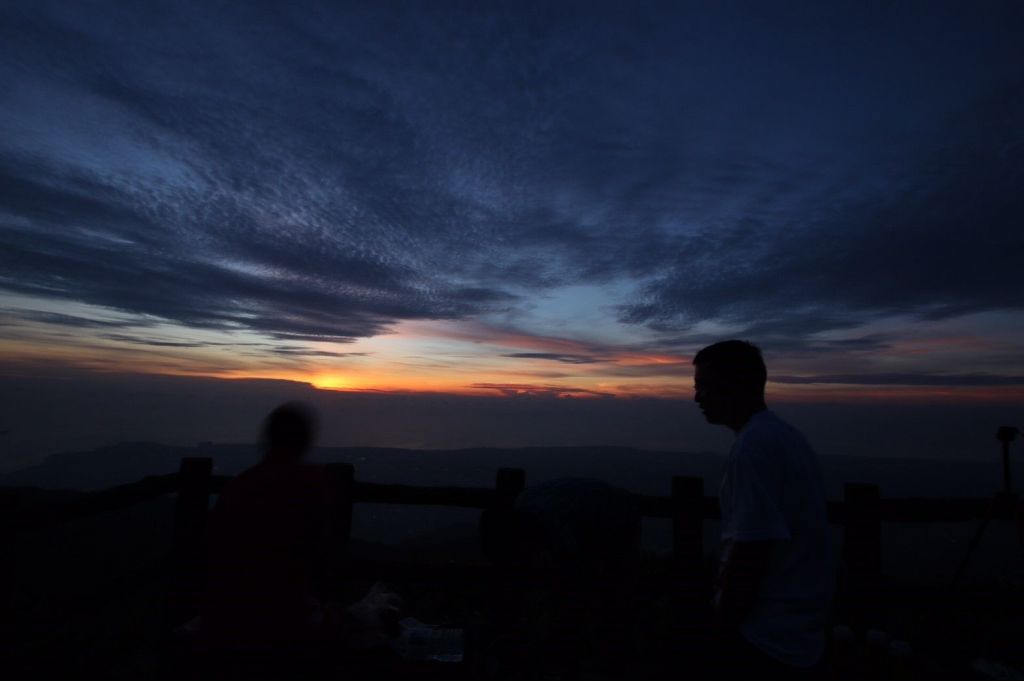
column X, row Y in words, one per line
column 290, row 426
column 736, row 360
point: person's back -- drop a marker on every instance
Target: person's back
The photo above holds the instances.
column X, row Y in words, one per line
column 266, row 538
column 786, row 506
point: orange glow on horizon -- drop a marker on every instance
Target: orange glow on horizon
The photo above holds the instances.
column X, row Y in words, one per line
column 672, row 390
column 464, row 358
column 503, row 385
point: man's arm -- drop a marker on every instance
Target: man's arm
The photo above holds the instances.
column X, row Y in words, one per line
column 743, row 567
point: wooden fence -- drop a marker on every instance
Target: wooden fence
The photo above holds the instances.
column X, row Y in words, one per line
column 861, row 513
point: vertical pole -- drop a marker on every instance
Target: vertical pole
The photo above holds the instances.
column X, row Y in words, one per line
column 862, row 552
column 509, row 483
column 504, row 592
column 188, row 550
column 1018, row 516
column 1007, row 482
column 689, row 588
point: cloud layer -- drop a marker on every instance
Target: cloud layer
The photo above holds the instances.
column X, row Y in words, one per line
column 314, row 173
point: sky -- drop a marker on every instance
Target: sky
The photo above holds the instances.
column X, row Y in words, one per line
column 560, row 200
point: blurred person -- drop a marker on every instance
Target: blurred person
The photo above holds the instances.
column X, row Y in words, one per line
column 269, row 540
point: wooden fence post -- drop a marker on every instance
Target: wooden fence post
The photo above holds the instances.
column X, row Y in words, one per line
column 862, row 552
column 509, row 483
column 188, row 549
column 691, row 597
column 504, row 581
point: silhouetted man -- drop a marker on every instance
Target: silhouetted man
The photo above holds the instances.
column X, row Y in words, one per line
column 776, row 573
column 268, row 537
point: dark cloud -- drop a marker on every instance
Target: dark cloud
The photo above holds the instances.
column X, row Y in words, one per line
column 154, row 342
column 317, row 173
column 651, row 370
column 945, row 241
column 292, row 214
column 300, row 351
column 771, row 340
column 976, row 380
column 534, row 390
column 557, row 357
column 68, row 320
column 280, row 287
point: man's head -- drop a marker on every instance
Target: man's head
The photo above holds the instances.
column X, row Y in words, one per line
column 289, row 431
column 728, row 382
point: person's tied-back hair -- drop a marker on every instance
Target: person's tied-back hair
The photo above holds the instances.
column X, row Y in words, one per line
column 290, row 427
column 737, row 360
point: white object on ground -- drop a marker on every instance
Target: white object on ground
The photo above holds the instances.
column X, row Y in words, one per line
column 419, row 641
column 996, row 670
column 189, row 629
column 901, row 650
column 876, row 639
column 842, row 633
column 370, row 615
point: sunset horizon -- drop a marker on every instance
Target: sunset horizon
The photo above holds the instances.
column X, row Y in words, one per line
column 512, row 204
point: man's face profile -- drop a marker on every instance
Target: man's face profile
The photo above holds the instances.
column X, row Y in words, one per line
column 711, row 394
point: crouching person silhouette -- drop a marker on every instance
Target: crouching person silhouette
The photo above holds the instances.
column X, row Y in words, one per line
column 571, row 546
column 269, row 543
column 776, row 572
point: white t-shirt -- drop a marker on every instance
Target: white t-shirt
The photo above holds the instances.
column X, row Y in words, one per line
column 772, row 490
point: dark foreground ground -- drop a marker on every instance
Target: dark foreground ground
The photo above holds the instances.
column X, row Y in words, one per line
column 87, row 597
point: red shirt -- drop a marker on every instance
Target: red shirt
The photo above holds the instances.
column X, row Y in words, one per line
column 266, row 534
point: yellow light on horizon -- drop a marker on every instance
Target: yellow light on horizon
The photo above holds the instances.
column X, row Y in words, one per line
column 331, row 382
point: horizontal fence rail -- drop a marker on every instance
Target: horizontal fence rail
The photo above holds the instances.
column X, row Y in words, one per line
column 87, row 503
column 381, row 493
column 895, row 510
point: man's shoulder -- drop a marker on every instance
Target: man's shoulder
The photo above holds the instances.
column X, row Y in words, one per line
column 265, row 477
column 762, row 427
column 767, row 432
column 768, row 424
